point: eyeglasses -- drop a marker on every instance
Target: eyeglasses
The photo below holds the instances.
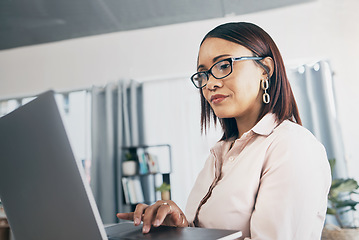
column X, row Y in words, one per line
column 219, row 70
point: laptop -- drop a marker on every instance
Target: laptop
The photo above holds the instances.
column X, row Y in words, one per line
column 44, row 190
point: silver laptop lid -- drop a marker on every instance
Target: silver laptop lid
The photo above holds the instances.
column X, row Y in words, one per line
column 42, row 187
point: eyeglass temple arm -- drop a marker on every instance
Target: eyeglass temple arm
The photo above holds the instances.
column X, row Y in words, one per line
column 247, row 58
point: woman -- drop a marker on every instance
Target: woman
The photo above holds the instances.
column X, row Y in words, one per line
column 267, row 176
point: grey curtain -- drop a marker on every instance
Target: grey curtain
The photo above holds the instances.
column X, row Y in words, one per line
column 116, row 122
column 313, row 87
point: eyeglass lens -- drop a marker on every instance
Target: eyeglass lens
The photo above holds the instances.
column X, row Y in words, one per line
column 219, row 70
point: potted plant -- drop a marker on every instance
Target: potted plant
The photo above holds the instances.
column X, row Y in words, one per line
column 129, row 164
column 165, row 191
column 339, row 203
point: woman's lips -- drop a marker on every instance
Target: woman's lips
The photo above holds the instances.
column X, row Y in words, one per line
column 218, row 98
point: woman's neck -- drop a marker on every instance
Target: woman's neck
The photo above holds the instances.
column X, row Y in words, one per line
column 246, row 122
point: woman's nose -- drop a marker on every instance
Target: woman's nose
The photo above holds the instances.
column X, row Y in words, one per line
column 213, row 83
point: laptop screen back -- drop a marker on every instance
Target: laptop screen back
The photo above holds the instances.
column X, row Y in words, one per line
column 43, row 194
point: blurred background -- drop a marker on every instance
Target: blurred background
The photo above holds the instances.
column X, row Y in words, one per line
column 144, row 52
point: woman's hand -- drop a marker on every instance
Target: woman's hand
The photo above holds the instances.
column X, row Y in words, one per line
column 161, row 213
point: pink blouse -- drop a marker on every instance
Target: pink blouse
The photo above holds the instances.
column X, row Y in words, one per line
column 272, row 184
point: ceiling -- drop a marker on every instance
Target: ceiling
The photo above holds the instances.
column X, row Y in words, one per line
column 29, row 22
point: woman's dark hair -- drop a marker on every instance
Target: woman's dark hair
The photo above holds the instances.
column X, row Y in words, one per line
column 282, row 102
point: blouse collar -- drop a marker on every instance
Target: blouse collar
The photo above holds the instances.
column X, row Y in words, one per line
column 264, row 127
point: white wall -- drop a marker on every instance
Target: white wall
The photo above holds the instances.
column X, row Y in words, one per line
column 324, row 29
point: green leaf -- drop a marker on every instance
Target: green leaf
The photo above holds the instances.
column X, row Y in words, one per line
column 343, row 185
column 346, row 203
column 331, row 211
column 339, row 190
column 163, row 187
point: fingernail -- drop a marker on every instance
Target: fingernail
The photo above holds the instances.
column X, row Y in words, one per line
column 145, row 229
column 137, row 221
column 157, row 223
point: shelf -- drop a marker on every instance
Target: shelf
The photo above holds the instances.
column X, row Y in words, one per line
column 145, row 174
column 140, row 187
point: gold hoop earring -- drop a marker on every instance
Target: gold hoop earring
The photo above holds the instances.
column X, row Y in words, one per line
column 265, row 86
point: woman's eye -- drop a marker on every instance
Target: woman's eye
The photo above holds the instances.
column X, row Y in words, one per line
column 225, row 66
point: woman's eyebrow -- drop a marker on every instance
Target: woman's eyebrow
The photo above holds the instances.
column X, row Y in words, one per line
column 200, row 66
column 215, row 59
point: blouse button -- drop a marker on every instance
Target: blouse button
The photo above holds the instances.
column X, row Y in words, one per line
column 231, row 159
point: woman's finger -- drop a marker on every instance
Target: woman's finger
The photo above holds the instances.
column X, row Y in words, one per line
column 163, row 211
column 125, row 216
column 160, row 213
column 137, row 215
column 175, row 216
column 181, row 220
column 148, row 217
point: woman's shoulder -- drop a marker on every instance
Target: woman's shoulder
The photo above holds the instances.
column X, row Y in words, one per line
column 292, row 131
column 293, row 146
column 295, row 137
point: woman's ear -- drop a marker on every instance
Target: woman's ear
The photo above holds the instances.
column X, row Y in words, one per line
column 269, row 64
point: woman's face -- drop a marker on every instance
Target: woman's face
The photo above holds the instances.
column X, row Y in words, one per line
column 238, row 95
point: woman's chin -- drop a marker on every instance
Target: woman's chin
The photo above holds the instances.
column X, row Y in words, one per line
column 223, row 115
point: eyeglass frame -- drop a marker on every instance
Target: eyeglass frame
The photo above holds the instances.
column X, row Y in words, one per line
column 231, row 60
